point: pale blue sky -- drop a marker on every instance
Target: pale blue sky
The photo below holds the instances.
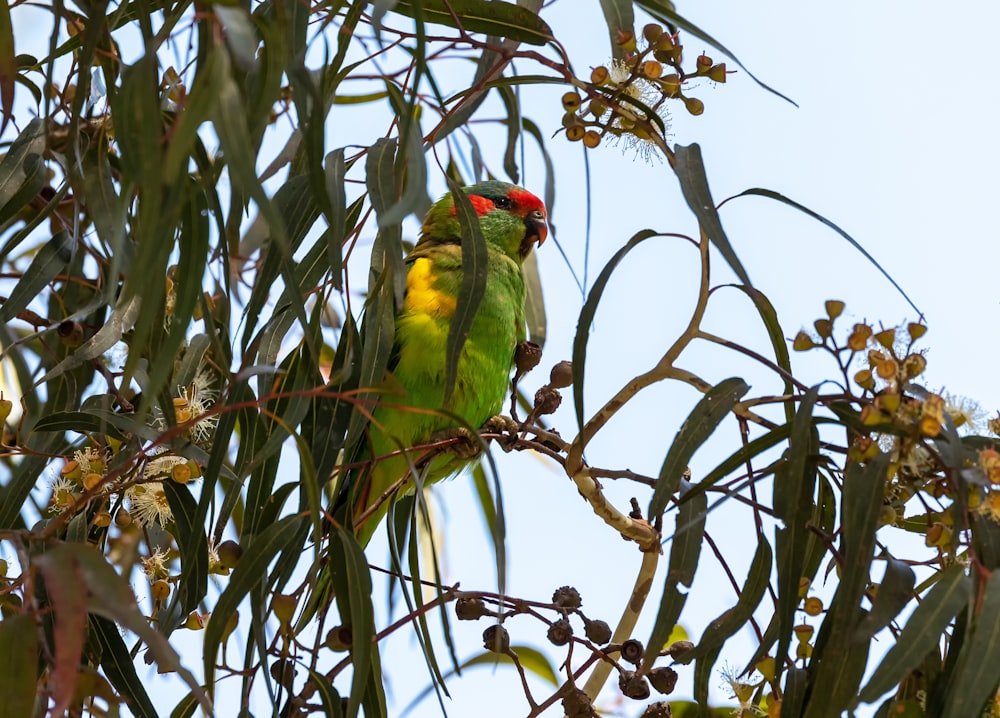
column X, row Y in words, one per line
column 893, row 140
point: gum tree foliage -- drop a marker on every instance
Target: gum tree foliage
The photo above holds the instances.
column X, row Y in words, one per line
column 167, row 348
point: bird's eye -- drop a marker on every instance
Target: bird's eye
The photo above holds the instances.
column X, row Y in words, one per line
column 503, row 203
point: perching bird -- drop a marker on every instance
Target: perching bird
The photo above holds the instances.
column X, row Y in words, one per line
column 513, row 220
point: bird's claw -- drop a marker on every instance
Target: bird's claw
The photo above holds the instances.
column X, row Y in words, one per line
column 467, row 446
column 507, row 427
column 501, row 424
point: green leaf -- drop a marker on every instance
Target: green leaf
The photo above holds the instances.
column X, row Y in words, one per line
column 119, row 667
column 975, row 676
column 794, row 483
column 328, row 695
column 922, row 632
column 18, row 664
column 379, row 327
column 703, row 420
column 501, row 19
column 353, row 586
column 336, row 172
column 110, row 596
column 895, row 591
column 240, row 35
column 690, row 171
column 718, row 631
column 531, row 660
column 50, row 260
column 8, row 68
column 470, row 294
column 854, row 243
column 779, row 345
column 620, row 18
column 22, row 173
column 63, row 579
column 193, row 544
column 586, row 319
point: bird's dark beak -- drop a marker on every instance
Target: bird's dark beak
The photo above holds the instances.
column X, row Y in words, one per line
column 535, row 230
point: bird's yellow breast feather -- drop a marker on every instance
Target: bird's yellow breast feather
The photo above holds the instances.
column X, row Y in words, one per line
column 421, row 294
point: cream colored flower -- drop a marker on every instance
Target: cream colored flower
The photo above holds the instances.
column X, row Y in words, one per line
column 155, row 566
column 149, row 504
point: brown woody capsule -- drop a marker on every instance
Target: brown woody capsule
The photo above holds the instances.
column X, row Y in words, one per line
column 567, row 597
column 660, row 709
column 577, row 704
column 633, row 685
column 560, row 633
column 561, row 375
column 598, row 631
column 283, row 673
column 496, row 639
column 527, row 355
column 470, row 608
column 664, row 679
column 547, row 400
column 678, row 647
column 632, row 651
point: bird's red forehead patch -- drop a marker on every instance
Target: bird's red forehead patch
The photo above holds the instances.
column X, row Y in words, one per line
column 480, row 204
column 525, row 201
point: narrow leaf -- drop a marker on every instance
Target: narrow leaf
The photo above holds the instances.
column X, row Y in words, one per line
column 703, row 420
column 853, row 242
column 977, row 671
column 922, row 632
column 690, row 170
column 470, row 294
column 620, row 18
column 586, row 319
column 50, row 260
column 18, row 661
column 69, row 604
column 501, row 19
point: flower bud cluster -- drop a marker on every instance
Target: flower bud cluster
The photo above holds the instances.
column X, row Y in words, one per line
column 627, row 99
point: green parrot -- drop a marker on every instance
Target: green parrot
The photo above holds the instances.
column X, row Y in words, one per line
column 410, row 413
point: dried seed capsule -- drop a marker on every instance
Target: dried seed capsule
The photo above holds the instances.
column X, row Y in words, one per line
column 547, row 400
column 633, row 685
column 561, row 375
column 577, row 704
column 598, row 631
column 678, row 647
column 567, row 597
column 496, row 639
column 660, row 709
column 632, row 651
column 560, row 633
column 470, row 608
column 283, row 673
column 664, row 679
column 526, row 357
